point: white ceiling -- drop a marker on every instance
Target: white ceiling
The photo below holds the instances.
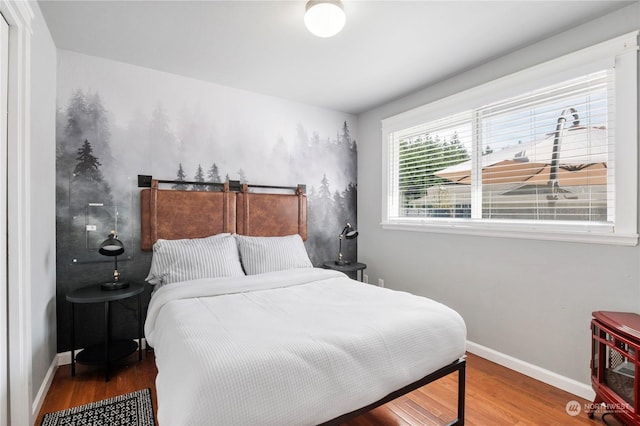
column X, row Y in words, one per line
column 387, row 48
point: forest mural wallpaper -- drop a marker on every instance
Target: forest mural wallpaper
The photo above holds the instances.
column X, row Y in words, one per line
column 115, row 121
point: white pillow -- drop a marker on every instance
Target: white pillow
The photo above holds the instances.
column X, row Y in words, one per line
column 190, row 259
column 268, row 254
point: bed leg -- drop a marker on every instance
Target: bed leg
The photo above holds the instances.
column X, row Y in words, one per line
column 461, row 394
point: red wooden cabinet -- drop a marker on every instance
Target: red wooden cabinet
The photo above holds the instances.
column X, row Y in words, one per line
column 615, row 366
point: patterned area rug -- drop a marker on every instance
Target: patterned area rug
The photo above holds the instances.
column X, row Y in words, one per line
column 131, row 409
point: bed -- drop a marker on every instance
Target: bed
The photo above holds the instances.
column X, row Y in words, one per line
column 247, row 332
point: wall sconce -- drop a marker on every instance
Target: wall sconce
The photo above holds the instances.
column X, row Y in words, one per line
column 349, row 233
column 112, row 246
column 324, row 18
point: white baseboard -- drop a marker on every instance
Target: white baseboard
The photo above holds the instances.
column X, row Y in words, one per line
column 64, row 358
column 44, row 388
column 549, row 377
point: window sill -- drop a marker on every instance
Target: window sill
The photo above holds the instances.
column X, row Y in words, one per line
column 579, row 234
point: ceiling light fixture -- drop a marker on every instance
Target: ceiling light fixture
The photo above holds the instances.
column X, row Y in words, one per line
column 324, row 18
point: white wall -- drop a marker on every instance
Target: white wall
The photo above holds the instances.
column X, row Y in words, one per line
column 531, row 300
column 43, row 227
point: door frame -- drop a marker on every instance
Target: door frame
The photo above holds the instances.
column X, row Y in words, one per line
column 19, row 15
column 4, row 86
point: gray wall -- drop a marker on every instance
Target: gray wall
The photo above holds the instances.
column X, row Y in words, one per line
column 528, row 299
column 43, row 228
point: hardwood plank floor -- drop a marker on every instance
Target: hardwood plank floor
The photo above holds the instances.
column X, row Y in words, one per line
column 494, row 396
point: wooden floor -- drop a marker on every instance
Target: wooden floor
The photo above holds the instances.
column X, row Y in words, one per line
column 495, row 396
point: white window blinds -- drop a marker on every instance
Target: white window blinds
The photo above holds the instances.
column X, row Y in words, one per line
column 421, row 153
column 543, row 155
column 549, row 152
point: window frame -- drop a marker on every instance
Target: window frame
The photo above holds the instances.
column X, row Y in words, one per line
column 619, row 53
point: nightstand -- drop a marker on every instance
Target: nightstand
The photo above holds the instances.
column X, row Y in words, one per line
column 348, row 269
column 110, row 350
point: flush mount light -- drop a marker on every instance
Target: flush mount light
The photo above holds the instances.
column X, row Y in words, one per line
column 324, row 18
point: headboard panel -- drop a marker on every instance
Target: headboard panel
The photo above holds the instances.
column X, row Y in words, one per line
column 271, row 215
column 174, row 214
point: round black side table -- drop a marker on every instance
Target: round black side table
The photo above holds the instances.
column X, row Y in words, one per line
column 348, row 268
column 111, row 350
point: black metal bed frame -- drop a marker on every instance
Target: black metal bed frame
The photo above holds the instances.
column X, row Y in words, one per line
column 144, row 181
column 459, row 366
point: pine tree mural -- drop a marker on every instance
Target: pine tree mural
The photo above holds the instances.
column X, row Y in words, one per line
column 346, row 137
column 85, row 119
column 199, row 177
column 181, row 177
column 90, row 203
column 88, row 165
column 325, row 219
column 165, row 142
column 350, row 203
column 213, row 175
column 76, row 115
column 83, row 146
column 99, row 151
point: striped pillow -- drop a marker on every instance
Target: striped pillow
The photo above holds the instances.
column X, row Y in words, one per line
column 190, row 259
column 269, row 254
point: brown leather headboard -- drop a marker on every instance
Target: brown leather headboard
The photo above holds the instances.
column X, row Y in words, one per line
column 174, row 214
column 271, row 215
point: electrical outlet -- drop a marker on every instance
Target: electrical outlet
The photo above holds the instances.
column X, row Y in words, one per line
column 365, row 279
column 380, row 282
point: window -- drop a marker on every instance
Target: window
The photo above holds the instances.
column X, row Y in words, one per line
column 549, row 153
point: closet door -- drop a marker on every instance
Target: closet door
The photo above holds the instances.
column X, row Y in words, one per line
column 4, row 339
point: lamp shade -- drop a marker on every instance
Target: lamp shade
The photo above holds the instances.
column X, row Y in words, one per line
column 112, row 246
column 324, row 18
column 349, row 232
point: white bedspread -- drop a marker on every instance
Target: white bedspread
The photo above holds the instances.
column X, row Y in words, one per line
column 294, row 347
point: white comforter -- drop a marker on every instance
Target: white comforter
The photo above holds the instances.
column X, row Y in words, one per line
column 294, row 347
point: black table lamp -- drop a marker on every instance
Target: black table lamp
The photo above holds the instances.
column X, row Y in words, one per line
column 349, row 233
column 112, row 246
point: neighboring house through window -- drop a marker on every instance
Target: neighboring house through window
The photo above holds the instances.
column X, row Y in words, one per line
column 546, row 153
